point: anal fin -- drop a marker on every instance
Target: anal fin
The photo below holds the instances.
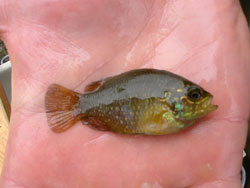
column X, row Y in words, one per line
column 94, row 122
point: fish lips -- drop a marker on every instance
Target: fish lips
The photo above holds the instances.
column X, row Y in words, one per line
column 208, row 106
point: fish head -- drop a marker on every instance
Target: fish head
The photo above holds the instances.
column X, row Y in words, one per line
column 193, row 104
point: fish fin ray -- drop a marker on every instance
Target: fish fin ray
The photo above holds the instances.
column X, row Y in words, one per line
column 94, row 86
column 95, row 123
column 62, row 107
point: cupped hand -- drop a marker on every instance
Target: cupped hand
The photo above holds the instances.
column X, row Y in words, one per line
column 74, row 42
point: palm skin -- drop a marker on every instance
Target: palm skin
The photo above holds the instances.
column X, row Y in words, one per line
column 75, row 42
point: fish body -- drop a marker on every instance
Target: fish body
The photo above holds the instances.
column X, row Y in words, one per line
column 142, row 101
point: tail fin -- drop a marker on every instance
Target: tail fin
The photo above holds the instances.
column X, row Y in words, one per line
column 62, row 107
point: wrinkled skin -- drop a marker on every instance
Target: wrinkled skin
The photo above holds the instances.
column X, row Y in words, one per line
column 74, row 42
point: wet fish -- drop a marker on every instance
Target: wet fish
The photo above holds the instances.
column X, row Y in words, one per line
column 142, row 101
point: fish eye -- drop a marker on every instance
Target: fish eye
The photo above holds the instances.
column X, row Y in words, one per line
column 195, row 94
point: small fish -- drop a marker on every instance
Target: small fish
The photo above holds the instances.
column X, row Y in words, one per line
column 142, row 101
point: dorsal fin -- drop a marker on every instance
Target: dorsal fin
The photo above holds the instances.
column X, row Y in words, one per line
column 94, row 86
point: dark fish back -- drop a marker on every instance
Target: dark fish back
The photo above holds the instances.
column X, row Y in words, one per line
column 141, row 84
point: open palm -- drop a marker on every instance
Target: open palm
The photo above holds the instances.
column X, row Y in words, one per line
column 73, row 42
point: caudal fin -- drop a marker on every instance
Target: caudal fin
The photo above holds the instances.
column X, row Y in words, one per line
column 62, row 107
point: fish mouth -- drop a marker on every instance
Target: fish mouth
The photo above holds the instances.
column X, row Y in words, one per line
column 208, row 106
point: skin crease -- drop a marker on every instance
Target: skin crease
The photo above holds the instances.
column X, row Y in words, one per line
column 74, row 42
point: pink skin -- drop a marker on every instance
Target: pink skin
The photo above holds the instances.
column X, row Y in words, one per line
column 74, row 42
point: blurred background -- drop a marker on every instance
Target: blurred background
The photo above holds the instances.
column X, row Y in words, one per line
column 5, row 78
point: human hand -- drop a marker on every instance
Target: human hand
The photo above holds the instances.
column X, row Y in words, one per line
column 72, row 43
